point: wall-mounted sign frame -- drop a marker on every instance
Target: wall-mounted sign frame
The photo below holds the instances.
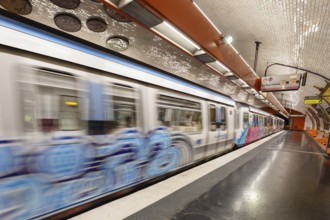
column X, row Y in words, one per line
column 326, row 93
column 280, row 82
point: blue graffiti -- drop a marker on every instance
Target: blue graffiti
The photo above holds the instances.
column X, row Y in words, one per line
column 62, row 161
column 65, row 172
column 163, row 157
column 241, row 140
column 7, row 160
column 19, row 197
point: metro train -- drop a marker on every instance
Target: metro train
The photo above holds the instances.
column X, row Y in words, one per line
column 77, row 124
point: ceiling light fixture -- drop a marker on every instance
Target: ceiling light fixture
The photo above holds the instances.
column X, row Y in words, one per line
column 135, row 10
column 175, row 36
column 224, row 40
column 251, row 91
column 204, row 57
column 219, row 67
column 229, row 74
column 239, row 82
column 228, row 39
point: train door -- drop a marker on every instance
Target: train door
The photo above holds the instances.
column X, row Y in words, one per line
column 217, row 129
column 237, row 117
column 261, row 126
column 274, row 125
column 266, row 130
column 230, row 122
column 242, row 124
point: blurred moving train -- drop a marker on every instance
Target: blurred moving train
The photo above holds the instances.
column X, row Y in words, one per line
column 77, row 124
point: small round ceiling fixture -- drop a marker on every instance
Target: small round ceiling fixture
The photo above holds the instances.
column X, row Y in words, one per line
column 229, row 39
column 67, row 4
column 115, row 15
column 21, row 7
column 117, row 43
column 67, row 22
column 96, row 24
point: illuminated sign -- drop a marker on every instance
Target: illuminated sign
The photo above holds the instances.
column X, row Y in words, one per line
column 311, row 100
column 280, row 82
column 71, row 103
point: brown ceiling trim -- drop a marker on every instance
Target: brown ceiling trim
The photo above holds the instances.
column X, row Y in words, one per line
column 189, row 20
column 272, row 98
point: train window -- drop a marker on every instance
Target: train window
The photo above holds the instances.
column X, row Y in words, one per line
column 223, row 119
column 265, row 121
column 212, row 122
column 255, row 120
column 270, row 121
column 69, row 113
column 260, row 121
column 251, row 119
column 28, row 108
column 57, row 102
column 245, row 119
column 124, row 106
column 179, row 114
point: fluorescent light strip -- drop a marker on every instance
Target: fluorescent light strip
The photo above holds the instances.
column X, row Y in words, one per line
column 218, row 66
column 229, row 74
column 244, row 61
column 237, row 83
column 174, row 35
column 181, row 35
column 207, row 18
column 216, row 70
column 122, row 3
column 240, row 82
column 234, row 49
column 111, row 3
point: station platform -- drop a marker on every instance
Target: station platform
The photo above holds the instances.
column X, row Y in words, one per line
column 283, row 176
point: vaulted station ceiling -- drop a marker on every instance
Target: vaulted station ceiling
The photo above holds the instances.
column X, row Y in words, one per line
column 291, row 32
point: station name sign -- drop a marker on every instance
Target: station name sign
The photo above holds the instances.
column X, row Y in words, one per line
column 280, row 82
column 312, row 100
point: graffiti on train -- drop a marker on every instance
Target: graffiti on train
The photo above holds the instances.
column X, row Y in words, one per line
column 69, row 170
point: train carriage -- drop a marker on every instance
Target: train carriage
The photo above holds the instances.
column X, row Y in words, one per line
column 77, row 124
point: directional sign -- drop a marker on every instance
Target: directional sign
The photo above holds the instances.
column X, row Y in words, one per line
column 280, row 82
column 310, row 100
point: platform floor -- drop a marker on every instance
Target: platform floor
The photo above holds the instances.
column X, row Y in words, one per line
column 280, row 177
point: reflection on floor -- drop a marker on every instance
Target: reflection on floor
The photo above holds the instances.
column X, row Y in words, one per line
column 288, row 179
